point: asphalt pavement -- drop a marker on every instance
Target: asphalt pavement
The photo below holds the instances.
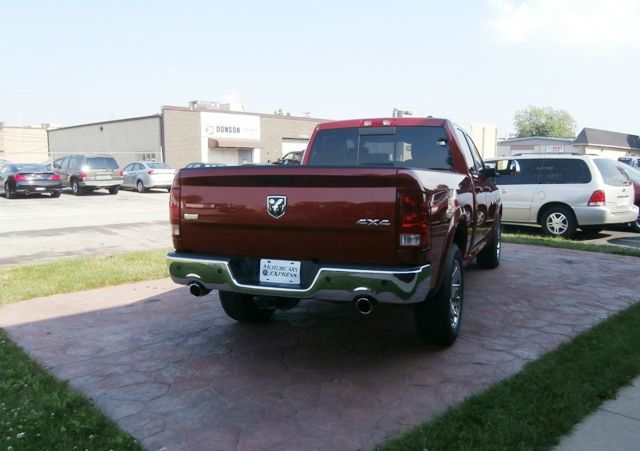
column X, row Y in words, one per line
column 40, row 228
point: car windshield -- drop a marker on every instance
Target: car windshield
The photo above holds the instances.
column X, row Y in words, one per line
column 420, row 147
column 30, row 167
column 101, row 163
column 157, row 166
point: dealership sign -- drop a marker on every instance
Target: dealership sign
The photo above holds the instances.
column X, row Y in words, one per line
column 234, row 126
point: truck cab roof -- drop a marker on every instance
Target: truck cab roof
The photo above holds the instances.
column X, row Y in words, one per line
column 383, row 122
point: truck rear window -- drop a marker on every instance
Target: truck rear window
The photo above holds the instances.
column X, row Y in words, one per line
column 419, row 147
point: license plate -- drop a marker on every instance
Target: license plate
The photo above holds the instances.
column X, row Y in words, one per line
column 39, row 188
column 103, row 177
column 280, row 271
column 622, row 201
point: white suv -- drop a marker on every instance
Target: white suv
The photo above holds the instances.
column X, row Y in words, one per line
column 562, row 193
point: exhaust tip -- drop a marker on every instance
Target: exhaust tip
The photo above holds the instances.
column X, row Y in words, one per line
column 364, row 305
column 197, row 289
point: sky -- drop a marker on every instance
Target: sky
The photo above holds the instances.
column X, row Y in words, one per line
column 68, row 62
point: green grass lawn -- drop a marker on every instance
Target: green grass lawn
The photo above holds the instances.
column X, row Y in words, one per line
column 38, row 412
column 81, row 273
column 536, row 407
column 568, row 244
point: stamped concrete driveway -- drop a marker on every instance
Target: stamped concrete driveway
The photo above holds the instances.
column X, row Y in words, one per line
column 175, row 372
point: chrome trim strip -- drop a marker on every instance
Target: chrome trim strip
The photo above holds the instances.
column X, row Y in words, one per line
column 386, row 286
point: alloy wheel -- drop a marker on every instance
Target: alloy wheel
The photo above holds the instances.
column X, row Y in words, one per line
column 557, row 223
column 455, row 301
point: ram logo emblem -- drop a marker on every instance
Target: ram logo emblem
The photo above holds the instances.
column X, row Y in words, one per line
column 276, row 206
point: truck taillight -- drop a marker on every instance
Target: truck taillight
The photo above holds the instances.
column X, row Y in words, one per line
column 597, row 199
column 412, row 222
column 174, row 210
column 83, row 175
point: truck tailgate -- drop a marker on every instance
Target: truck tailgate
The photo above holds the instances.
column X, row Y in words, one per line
column 224, row 211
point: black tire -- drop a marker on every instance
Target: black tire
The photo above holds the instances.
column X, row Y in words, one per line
column 243, row 308
column 8, row 192
column 76, row 188
column 55, row 194
column 592, row 230
column 489, row 257
column 635, row 226
column 438, row 319
column 140, row 187
column 114, row 190
column 558, row 221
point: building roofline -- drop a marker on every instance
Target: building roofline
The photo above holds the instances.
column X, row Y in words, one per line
column 247, row 113
column 608, row 131
column 112, row 121
column 583, row 138
column 536, row 137
column 610, row 146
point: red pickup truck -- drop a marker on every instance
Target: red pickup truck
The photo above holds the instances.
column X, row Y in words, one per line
column 379, row 211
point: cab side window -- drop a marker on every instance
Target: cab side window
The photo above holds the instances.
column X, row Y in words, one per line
column 466, row 151
column 474, row 153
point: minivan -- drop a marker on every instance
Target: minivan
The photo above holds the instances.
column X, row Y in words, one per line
column 562, row 193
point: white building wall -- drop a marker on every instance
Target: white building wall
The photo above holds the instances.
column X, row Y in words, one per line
column 485, row 137
column 127, row 140
column 606, row 151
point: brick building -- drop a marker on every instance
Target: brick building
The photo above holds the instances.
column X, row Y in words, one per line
column 23, row 144
column 205, row 131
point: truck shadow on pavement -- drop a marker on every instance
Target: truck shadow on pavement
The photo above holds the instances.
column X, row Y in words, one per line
column 175, row 372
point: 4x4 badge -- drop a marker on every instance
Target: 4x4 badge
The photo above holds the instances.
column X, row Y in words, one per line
column 276, row 206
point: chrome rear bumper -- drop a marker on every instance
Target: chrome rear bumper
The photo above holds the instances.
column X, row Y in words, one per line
column 397, row 286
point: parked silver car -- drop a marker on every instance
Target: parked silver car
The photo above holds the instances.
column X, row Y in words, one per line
column 143, row 175
column 562, row 193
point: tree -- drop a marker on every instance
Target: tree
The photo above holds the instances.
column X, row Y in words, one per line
column 544, row 121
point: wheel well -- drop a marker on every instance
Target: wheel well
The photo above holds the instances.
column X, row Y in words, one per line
column 460, row 237
column 546, row 207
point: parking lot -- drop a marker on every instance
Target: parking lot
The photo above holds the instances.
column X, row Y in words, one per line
column 176, row 372
column 40, row 228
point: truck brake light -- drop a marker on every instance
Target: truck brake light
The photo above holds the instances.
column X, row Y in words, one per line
column 597, row 199
column 83, row 175
column 174, row 210
column 412, row 222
